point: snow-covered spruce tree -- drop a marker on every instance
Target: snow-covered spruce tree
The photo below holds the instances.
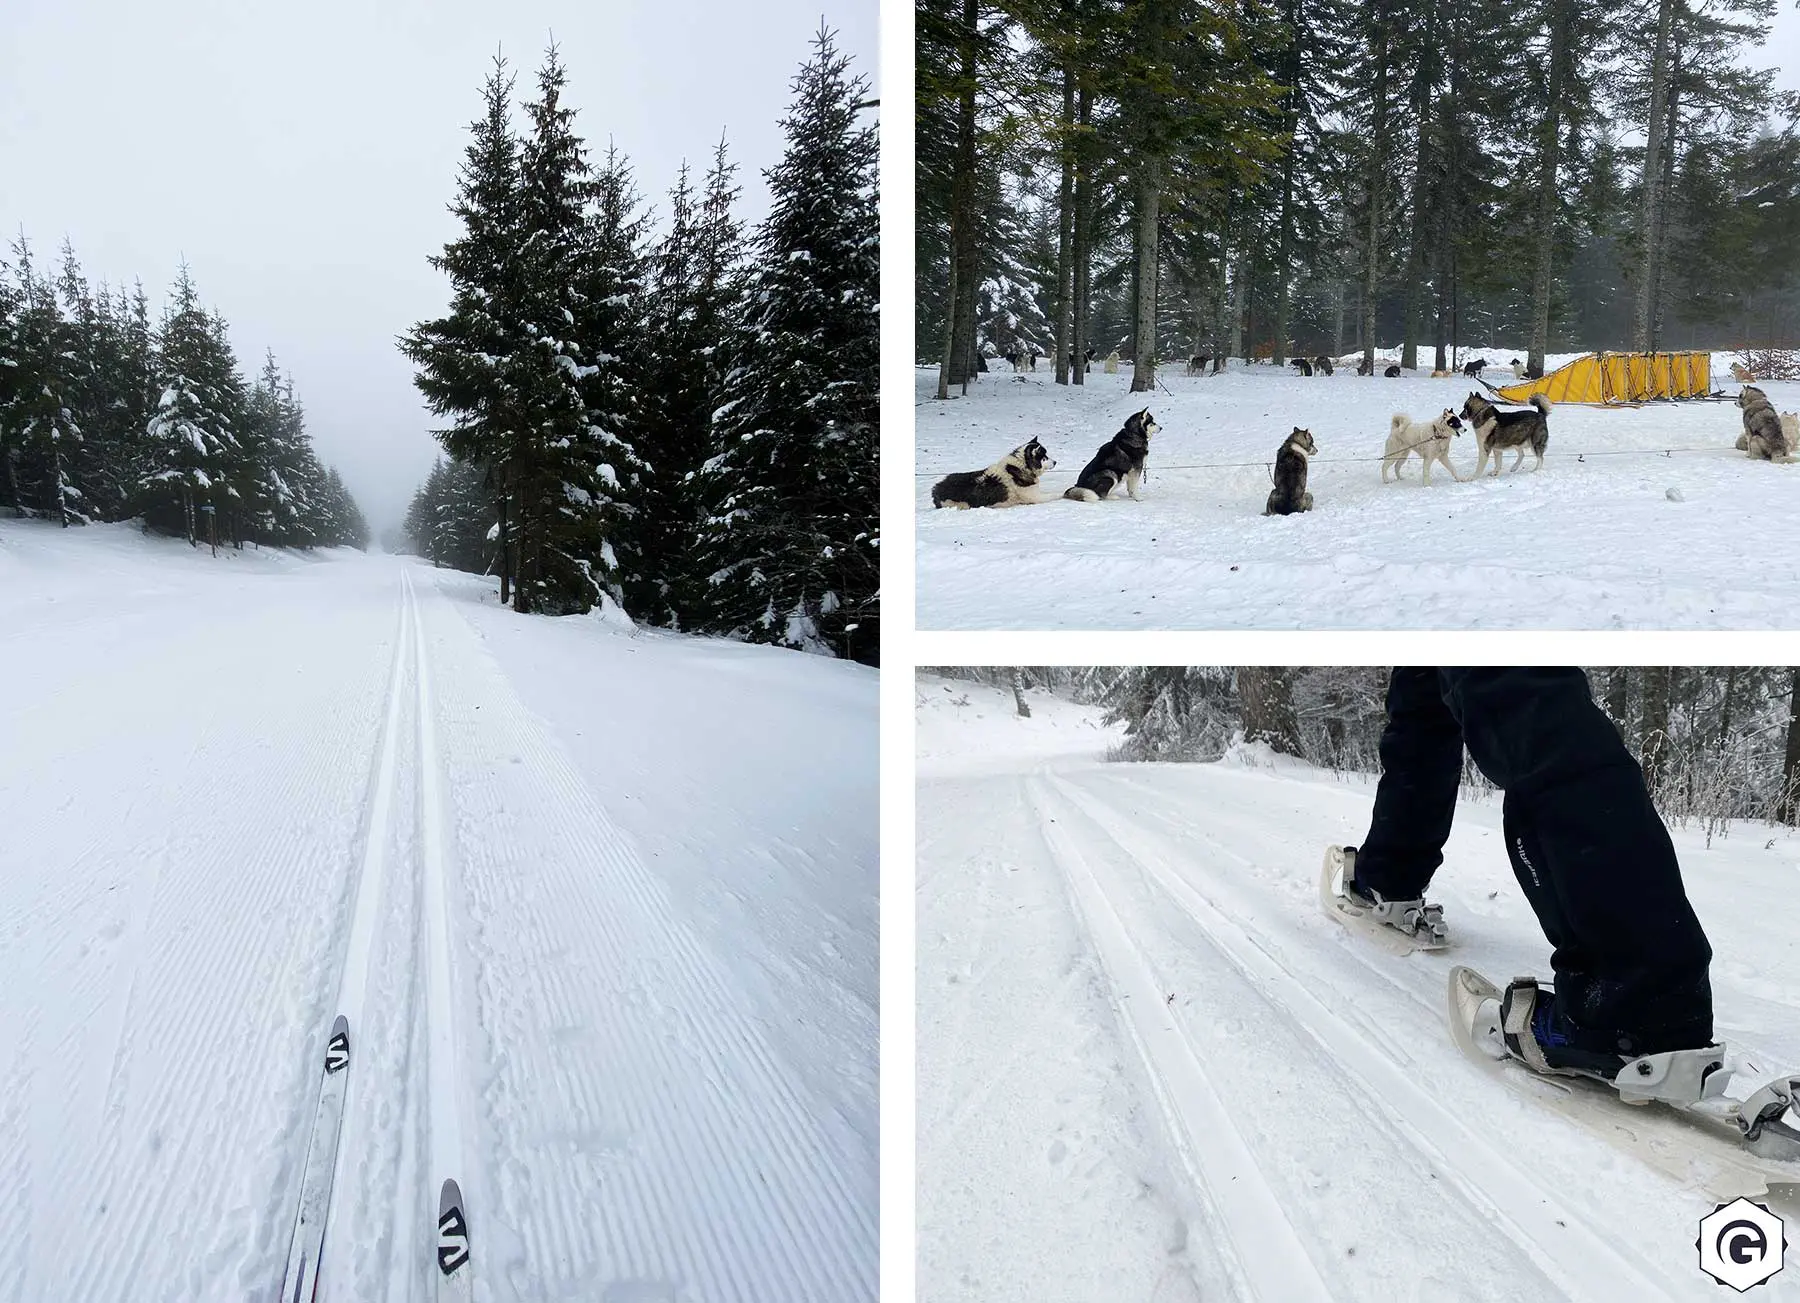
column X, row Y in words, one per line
column 693, row 309
column 796, row 526
column 465, row 361
column 39, row 436
column 190, row 434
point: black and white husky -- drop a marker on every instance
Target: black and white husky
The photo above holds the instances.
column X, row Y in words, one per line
column 1289, row 494
column 1765, row 433
column 1009, row 482
column 1431, row 440
column 1495, row 430
column 1120, row 458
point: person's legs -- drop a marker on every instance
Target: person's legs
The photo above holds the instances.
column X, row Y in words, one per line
column 1593, row 858
column 1421, row 768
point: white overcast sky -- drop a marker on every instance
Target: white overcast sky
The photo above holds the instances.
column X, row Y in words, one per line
column 300, row 157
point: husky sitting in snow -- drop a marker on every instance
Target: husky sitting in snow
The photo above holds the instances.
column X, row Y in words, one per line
column 1393, row 372
column 1431, row 441
column 1765, row 433
column 1496, row 430
column 1009, row 482
column 1289, row 494
column 1322, row 363
column 1120, row 458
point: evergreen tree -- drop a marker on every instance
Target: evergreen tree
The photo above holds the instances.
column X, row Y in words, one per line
column 190, row 432
column 795, row 525
column 39, row 436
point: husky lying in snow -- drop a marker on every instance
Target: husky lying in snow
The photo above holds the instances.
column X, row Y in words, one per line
column 1120, row 458
column 1009, row 482
column 1765, row 434
column 1289, row 494
column 1496, row 430
column 1393, row 372
column 1431, row 441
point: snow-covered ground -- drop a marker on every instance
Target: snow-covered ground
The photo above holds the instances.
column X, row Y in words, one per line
column 1150, row 1069
column 1610, row 534
column 600, row 906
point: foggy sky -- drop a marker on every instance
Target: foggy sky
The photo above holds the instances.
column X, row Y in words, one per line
column 300, row 157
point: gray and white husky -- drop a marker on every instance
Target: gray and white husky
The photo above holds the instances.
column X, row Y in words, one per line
column 1289, row 494
column 1495, row 430
column 1765, row 433
column 1430, row 441
column 1120, row 458
column 1009, row 482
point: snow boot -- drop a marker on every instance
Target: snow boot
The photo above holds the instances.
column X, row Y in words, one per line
column 1418, row 920
column 1546, row 1041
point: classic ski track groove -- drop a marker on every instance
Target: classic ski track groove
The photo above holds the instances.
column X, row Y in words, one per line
column 698, row 1169
column 1524, row 1210
column 367, row 895
column 1265, row 1249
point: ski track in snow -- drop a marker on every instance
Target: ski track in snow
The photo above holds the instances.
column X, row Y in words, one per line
column 349, row 809
column 1291, row 1093
column 1597, row 544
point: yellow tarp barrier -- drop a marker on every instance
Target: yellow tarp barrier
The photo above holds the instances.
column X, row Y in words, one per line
column 1620, row 378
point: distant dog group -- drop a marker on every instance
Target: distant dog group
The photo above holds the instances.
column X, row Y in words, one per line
column 1013, row 480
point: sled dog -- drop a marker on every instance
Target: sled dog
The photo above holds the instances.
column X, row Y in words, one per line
column 1322, row 364
column 1120, row 458
column 1364, row 368
column 1197, row 364
column 1289, row 494
column 1496, row 430
column 1393, row 372
column 1765, row 436
column 1474, row 369
column 1009, row 482
column 1301, row 365
column 1430, row 440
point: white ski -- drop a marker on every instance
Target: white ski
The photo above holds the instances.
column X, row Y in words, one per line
column 1344, row 908
column 302, row 1280
column 1702, row 1144
column 455, row 1280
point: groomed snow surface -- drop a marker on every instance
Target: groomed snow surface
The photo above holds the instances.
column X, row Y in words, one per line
column 1151, row 1070
column 1626, row 538
column 600, row 906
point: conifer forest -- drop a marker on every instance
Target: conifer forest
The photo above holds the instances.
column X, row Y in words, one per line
column 663, row 410
column 1176, row 179
column 109, row 414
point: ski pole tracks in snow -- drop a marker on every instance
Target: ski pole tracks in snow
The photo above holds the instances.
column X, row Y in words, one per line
column 645, row 1140
column 1270, row 1260
column 1550, row 1232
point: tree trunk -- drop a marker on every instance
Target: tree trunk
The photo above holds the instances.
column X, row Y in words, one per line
column 1082, row 241
column 506, row 569
column 1284, row 242
column 1149, row 201
column 1065, row 229
column 1240, row 284
column 1789, row 812
column 1653, row 725
column 1658, row 300
column 1618, row 696
column 1017, row 678
column 1650, row 216
column 1422, row 200
column 1376, row 189
column 1549, row 147
column 964, row 252
column 1266, row 702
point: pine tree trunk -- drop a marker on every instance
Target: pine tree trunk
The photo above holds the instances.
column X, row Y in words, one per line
column 1421, row 197
column 1650, row 217
column 964, row 251
column 1240, row 281
column 1017, row 679
column 1618, row 696
column 1082, row 240
column 944, row 363
column 1658, row 300
column 1376, row 180
column 1549, row 147
column 1284, row 244
column 1653, row 725
column 1149, row 200
column 1065, row 229
column 506, row 567
column 1790, row 771
column 1266, row 702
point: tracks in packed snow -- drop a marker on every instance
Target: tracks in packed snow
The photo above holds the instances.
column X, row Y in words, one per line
column 1220, row 1155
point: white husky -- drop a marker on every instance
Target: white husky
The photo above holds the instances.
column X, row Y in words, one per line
column 1431, row 442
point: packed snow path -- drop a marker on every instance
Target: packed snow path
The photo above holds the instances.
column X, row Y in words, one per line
column 1609, row 534
column 241, row 797
column 1151, row 1070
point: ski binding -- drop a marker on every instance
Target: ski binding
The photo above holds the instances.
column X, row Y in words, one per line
column 1400, row 927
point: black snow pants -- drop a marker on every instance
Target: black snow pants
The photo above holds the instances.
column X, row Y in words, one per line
column 1586, row 844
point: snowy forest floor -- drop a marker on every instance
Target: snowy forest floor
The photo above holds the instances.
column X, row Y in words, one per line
column 1625, row 538
column 1151, row 1070
column 656, row 862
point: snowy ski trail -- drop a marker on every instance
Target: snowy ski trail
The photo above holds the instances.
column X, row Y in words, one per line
column 1131, row 1010
column 270, row 792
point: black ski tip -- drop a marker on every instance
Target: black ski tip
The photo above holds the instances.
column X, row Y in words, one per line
column 453, row 1230
column 337, row 1049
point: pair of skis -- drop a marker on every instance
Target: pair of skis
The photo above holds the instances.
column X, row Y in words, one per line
column 1754, row 1141
column 301, row 1282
